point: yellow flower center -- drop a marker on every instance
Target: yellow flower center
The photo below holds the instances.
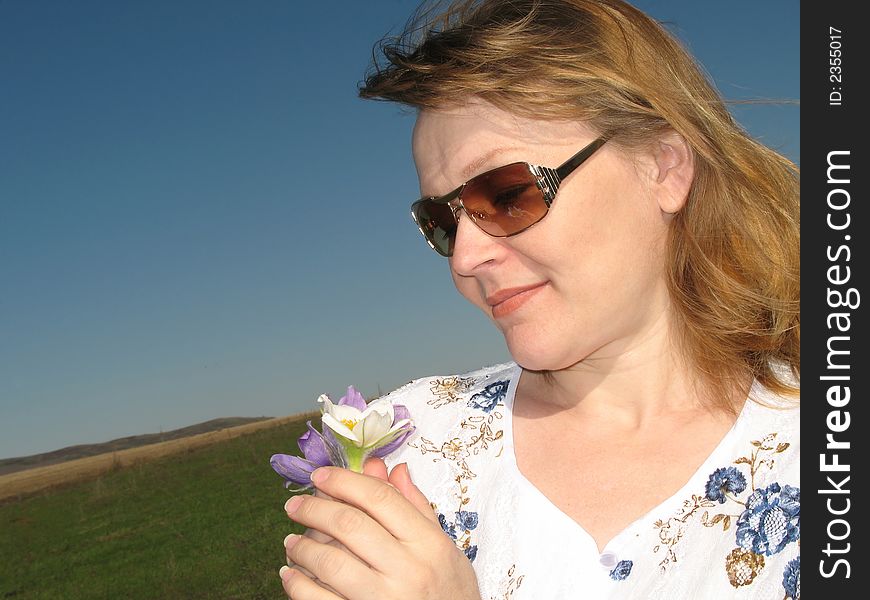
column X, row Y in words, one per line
column 349, row 422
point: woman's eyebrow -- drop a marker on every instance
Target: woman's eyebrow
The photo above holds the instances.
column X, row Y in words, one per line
column 476, row 166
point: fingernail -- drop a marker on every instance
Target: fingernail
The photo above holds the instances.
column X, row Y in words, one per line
column 290, row 541
column 285, row 573
column 292, row 504
column 319, row 475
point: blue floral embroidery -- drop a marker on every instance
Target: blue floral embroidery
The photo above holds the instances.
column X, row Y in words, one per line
column 460, row 529
column 791, row 579
column 449, row 528
column 725, row 480
column 471, row 552
column 771, row 520
column 622, row 570
column 467, row 519
column 490, row 396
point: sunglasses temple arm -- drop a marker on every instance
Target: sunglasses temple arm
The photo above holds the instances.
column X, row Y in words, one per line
column 578, row 159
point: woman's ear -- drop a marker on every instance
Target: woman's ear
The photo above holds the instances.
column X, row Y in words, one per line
column 673, row 171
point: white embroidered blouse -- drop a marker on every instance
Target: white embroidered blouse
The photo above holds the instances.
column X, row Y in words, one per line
column 732, row 531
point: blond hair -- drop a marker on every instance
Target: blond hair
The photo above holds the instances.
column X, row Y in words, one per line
column 733, row 251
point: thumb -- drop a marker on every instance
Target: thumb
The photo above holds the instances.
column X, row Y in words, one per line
column 400, row 478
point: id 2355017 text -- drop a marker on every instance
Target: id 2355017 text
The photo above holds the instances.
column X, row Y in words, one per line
column 835, row 66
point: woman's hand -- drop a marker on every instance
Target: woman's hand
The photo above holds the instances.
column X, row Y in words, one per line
column 375, row 467
column 391, row 546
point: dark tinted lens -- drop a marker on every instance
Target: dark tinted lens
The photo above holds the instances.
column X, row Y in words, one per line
column 504, row 201
column 437, row 224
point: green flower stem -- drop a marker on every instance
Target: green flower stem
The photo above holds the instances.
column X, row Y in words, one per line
column 355, row 457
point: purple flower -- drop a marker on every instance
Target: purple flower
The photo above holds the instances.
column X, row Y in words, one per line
column 297, row 471
column 352, row 432
column 727, row 480
column 353, row 398
column 771, row 520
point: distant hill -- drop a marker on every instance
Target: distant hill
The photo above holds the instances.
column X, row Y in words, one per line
column 12, row 465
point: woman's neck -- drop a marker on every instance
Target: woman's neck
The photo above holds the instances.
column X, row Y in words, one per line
column 633, row 383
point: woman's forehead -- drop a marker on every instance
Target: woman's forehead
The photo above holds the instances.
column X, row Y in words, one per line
column 467, row 138
column 479, row 116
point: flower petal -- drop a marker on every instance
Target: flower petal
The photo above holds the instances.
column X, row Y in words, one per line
column 397, row 430
column 346, row 413
column 374, row 428
column 389, row 447
column 326, row 402
column 381, row 406
column 293, row 469
column 401, row 413
column 337, row 453
column 354, row 399
column 314, row 447
column 341, row 412
column 340, row 429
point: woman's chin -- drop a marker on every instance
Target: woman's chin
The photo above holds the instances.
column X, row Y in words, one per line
column 537, row 357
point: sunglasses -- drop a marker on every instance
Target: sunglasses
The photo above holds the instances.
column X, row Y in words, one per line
column 502, row 202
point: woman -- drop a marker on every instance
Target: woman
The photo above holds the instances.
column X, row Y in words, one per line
column 639, row 253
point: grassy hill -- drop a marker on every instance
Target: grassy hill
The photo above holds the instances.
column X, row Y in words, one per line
column 19, row 463
column 204, row 523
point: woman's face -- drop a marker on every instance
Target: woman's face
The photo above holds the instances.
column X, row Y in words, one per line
column 588, row 281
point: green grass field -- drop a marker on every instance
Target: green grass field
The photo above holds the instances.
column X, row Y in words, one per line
column 207, row 523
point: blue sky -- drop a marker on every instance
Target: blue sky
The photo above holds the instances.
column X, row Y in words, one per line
column 199, row 219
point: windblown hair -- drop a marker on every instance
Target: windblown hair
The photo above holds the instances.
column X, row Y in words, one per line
column 733, row 251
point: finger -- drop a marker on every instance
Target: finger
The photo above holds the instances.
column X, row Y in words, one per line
column 298, row 586
column 314, row 534
column 375, row 467
column 400, row 477
column 318, row 536
column 349, row 525
column 322, row 494
column 379, row 499
column 336, row 568
column 301, row 569
column 289, row 562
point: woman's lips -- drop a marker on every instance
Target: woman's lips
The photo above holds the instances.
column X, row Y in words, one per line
column 506, row 301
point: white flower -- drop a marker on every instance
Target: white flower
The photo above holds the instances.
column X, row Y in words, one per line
column 365, row 429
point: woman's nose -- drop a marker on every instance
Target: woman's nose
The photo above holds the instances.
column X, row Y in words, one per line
column 472, row 247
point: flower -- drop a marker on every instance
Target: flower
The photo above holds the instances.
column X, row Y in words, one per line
column 470, row 552
column 771, row 519
column 467, row 519
column 724, row 481
column 364, row 430
column 743, row 566
column 622, row 570
column 449, row 528
column 459, row 530
column 490, row 396
column 464, row 519
column 318, row 452
column 791, row 579
column 352, row 432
